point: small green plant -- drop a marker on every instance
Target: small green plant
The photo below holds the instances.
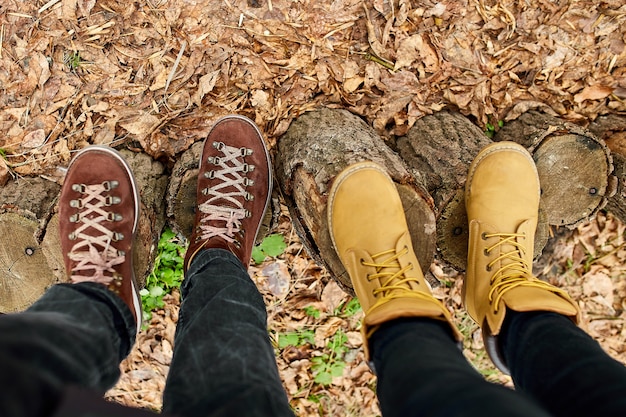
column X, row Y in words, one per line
column 348, row 309
column 73, row 60
column 166, row 274
column 312, row 312
column 272, row 245
column 330, row 365
column 297, row 338
column 490, row 129
column 321, row 400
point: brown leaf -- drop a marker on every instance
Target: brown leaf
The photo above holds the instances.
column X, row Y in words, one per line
column 68, row 9
column 205, row 85
column 416, row 48
column 278, row 278
column 593, row 92
column 86, row 6
column 34, row 139
column 333, row 296
column 4, row 172
column 142, row 126
column 598, row 283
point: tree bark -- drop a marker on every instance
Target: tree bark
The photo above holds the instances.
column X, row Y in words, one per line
column 315, row 148
column 612, row 130
column 30, row 255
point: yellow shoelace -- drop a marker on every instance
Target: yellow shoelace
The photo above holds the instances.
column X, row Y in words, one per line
column 393, row 279
column 515, row 271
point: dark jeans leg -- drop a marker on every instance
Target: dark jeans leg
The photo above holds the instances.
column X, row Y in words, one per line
column 561, row 367
column 223, row 361
column 422, row 372
column 76, row 334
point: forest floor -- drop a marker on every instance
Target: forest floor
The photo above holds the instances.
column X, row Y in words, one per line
column 153, row 76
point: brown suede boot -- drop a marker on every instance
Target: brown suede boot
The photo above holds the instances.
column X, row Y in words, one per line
column 98, row 214
column 369, row 231
column 234, row 189
column 502, row 202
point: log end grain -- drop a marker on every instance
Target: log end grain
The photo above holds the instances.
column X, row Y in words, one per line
column 24, row 270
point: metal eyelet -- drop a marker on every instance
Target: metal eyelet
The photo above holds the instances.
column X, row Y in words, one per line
column 110, row 200
column 248, row 182
column 80, row 188
column 74, row 218
column 246, row 151
column 114, row 217
column 218, row 145
column 117, row 236
column 483, row 236
column 109, row 185
column 249, row 197
column 76, row 204
column 215, row 160
column 486, row 252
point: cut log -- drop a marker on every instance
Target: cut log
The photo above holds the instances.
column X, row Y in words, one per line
column 440, row 148
column 29, row 216
column 315, row 148
column 575, row 167
column 151, row 178
column 24, row 271
column 612, row 130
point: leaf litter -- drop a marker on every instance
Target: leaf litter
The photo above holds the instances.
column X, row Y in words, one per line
column 153, row 75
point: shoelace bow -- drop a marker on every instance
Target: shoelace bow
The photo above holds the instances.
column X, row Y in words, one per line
column 231, row 167
column 394, row 282
column 95, row 253
column 514, row 272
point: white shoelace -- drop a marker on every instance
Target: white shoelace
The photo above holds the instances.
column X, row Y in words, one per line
column 95, row 253
column 229, row 170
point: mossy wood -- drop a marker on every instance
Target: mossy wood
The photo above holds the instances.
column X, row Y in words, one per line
column 575, row 166
column 315, row 148
column 439, row 149
column 30, row 251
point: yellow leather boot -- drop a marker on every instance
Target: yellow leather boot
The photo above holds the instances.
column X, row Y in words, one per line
column 502, row 201
column 369, row 231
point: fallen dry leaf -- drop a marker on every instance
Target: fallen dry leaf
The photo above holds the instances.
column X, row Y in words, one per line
column 34, row 139
column 594, row 92
column 278, row 278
